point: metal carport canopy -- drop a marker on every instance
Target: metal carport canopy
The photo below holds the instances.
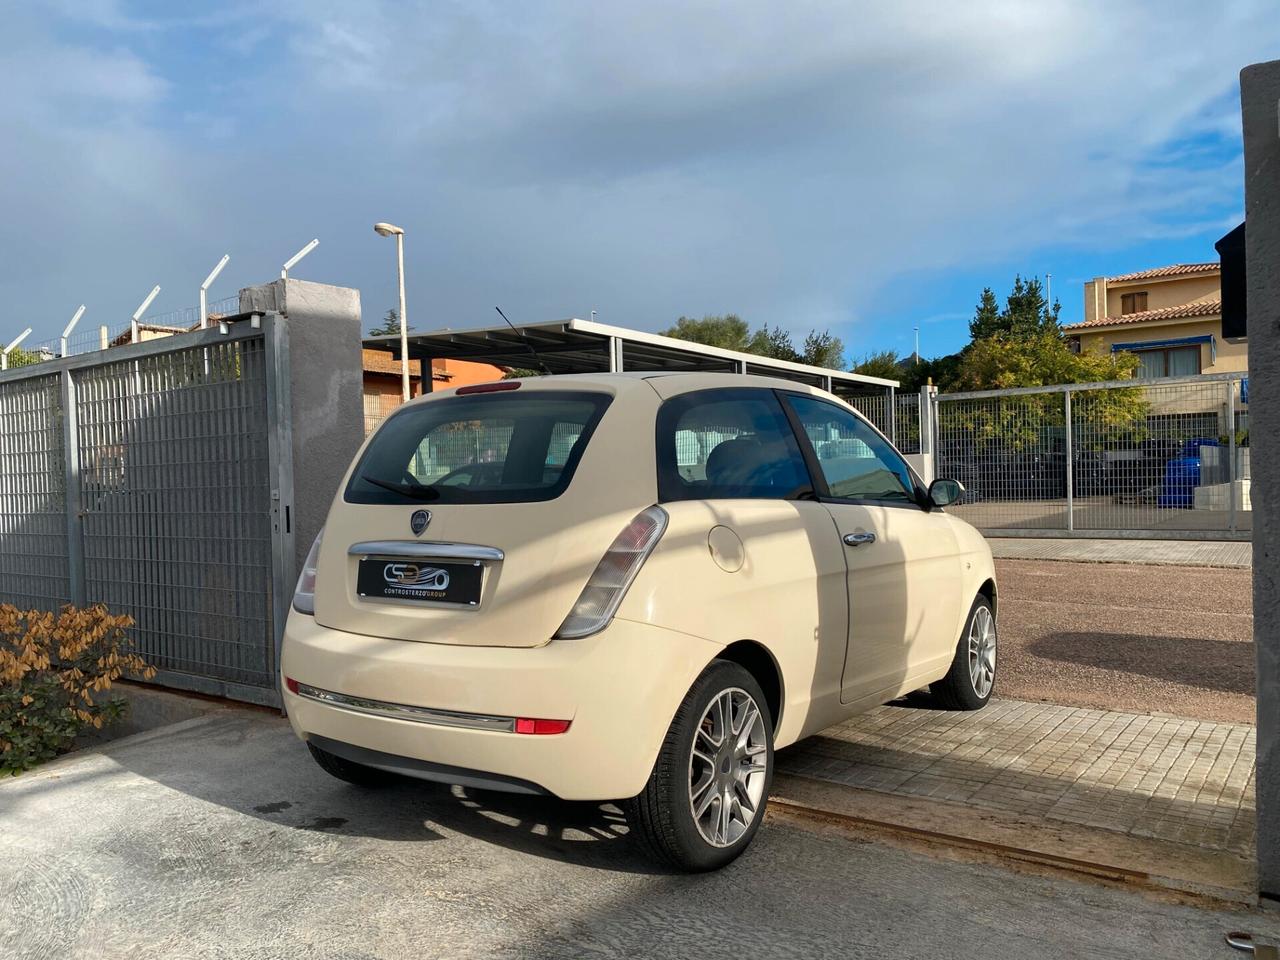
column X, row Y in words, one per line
column 582, row 346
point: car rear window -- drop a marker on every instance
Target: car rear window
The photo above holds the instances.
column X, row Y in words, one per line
column 510, row 447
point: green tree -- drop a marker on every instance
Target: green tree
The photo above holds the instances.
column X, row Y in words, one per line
column 823, row 349
column 1026, row 312
column 1002, row 361
column 729, row 332
column 774, row 342
column 25, row 358
column 1023, row 421
column 884, row 364
column 390, row 325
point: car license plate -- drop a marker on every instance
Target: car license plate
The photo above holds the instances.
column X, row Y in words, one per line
column 420, row 581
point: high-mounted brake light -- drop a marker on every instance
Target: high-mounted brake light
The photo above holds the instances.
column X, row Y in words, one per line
column 608, row 584
column 496, row 387
column 304, row 594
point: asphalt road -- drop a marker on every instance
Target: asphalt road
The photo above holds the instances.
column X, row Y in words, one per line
column 220, row 838
column 1144, row 639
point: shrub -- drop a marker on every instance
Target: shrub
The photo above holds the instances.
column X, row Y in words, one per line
column 55, row 671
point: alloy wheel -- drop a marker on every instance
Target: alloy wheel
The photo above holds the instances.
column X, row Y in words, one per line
column 982, row 651
column 727, row 767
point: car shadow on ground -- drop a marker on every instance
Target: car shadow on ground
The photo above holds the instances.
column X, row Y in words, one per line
column 1223, row 665
column 253, row 764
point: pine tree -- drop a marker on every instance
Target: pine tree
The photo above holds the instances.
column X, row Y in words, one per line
column 390, row 325
column 986, row 318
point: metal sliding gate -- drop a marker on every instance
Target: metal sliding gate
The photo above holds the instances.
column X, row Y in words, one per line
column 1137, row 458
column 149, row 478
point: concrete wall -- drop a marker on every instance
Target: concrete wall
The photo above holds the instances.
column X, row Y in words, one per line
column 1231, row 357
column 325, row 383
column 1260, row 95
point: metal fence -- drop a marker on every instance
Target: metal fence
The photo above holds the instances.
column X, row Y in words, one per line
column 142, row 478
column 1134, row 458
column 89, row 337
column 896, row 415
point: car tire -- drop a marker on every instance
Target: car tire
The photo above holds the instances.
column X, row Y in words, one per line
column 971, row 680
column 677, row 818
column 349, row 770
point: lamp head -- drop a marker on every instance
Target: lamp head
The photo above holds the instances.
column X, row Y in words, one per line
column 387, row 229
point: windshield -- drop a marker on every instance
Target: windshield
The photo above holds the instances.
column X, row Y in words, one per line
column 510, row 447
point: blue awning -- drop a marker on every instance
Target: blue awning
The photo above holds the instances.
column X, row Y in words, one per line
column 1178, row 342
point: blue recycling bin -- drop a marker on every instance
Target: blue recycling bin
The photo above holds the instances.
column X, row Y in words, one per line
column 1182, row 475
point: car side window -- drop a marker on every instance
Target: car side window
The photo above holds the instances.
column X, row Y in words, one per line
column 856, row 462
column 728, row 443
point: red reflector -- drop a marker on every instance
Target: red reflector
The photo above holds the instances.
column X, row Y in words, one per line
column 495, row 387
column 291, row 684
column 541, row 727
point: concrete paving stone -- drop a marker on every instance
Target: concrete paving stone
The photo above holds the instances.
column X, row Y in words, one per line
column 1185, row 781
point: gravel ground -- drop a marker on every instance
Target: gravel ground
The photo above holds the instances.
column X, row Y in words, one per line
column 1142, row 639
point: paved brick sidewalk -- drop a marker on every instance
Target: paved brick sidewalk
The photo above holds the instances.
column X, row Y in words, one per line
column 1186, row 781
column 1183, row 553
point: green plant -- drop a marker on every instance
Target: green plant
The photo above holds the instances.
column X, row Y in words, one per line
column 55, row 672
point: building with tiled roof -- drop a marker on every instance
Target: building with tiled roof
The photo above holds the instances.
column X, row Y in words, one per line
column 1171, row 317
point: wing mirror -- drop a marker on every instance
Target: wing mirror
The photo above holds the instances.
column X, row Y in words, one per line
column 943, row 492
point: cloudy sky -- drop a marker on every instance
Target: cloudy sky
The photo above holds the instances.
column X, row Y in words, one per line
column 864, row 167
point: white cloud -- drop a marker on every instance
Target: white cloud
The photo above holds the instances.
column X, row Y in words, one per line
column 646, row 160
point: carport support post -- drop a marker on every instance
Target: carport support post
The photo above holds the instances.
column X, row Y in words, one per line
column 1260, row 102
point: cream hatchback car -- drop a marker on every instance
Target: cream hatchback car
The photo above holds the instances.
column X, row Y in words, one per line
column 628, row 587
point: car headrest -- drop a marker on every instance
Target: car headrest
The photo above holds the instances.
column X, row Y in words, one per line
column 732, row 463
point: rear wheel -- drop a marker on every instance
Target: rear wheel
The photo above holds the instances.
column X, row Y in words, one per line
column 350, row 771
column 972, row 678
column 706, row 796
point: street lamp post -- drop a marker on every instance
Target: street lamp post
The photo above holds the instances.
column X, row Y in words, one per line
column 391, row 230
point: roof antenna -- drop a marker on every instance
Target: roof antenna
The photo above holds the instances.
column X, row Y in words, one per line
column 537, row 359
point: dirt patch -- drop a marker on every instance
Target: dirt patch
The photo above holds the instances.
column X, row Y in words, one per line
column 1143, row 639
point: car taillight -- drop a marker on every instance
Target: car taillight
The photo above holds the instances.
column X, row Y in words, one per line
column 603, row 594
column 304, row 594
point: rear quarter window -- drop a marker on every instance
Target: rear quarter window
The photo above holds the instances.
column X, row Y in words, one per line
column 510, row 447
column 728, row 443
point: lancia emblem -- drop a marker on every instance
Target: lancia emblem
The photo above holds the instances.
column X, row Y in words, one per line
column 418, row 522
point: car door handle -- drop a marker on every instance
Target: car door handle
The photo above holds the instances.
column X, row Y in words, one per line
column 858, row 539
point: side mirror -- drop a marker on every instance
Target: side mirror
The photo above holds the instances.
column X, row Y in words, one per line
column 943, row 492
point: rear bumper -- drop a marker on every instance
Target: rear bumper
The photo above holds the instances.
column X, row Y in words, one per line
column 619, row 688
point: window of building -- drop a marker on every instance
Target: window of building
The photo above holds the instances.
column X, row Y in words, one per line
column 1133, row 302
column 1168, row 362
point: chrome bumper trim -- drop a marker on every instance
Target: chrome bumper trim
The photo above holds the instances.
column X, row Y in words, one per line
column 403, row 711
column 424, row 550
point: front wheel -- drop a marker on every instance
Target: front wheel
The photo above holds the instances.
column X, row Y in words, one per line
column 972, row 678
column 706, row 796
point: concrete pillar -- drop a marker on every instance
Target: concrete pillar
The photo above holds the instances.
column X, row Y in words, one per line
column 322, row 327
column 1260, row 103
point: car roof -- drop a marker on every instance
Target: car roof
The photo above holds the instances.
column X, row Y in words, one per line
column 670, row 382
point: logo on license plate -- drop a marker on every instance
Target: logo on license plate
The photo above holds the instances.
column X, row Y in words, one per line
column 412, row 576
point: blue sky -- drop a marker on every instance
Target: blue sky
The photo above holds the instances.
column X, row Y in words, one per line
column 863, row 168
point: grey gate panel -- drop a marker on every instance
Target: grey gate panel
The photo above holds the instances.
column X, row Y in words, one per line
column 33, row 524
column 176, row 506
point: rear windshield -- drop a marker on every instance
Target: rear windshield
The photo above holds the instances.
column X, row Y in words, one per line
column 513, row 447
